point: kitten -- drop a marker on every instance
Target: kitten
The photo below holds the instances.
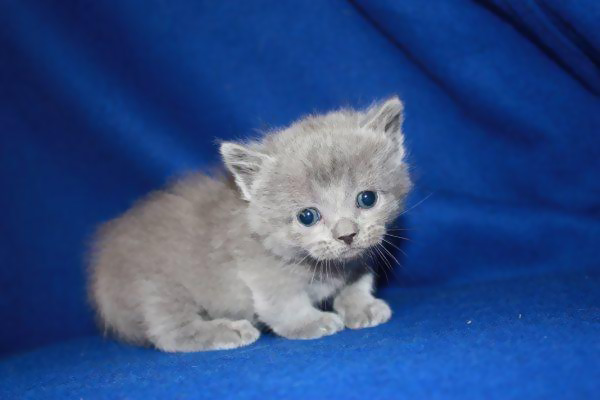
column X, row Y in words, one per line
column 201, row 264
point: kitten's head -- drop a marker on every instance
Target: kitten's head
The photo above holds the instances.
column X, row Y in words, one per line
column 326, row 186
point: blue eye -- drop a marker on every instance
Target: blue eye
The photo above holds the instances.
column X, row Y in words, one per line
column 366, row 199
column 309, row 216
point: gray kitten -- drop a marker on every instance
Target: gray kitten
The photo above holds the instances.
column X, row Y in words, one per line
column 201, row 264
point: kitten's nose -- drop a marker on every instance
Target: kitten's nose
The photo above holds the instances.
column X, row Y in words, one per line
column 347, row 238
column 345, row 230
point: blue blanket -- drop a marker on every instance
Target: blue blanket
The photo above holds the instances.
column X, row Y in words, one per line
column 101, row 102
column 521, row 338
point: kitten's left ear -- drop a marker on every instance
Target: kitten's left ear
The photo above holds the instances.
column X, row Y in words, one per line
column 386, row 117
column 244, row 163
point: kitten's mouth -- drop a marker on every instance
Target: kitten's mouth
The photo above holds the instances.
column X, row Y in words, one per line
column 351, row 253
column 346, row 254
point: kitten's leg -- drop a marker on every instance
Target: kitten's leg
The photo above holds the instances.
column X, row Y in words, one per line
column 357, row 306
column 173, row 323
column 293, row 316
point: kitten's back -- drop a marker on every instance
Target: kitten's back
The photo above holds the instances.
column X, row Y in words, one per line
column 157, row 239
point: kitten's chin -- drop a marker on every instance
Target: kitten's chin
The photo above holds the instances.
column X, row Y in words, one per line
column 344, row 255
column 352, row 253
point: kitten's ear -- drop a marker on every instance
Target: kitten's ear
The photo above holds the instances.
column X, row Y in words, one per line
column 243, row 163
column 386, row 117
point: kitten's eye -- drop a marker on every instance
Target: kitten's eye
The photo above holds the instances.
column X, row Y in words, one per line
column 309, row 216
column 366, row 199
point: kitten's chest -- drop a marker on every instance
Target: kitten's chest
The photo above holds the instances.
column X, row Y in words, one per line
column 321, row 290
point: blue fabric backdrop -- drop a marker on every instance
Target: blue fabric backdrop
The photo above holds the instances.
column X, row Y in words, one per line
column 102, row 101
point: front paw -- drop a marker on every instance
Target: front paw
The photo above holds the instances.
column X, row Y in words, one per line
column 325, row 324
column 232, row 334
column 372, row 314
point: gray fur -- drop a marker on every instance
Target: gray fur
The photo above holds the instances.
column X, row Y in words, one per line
column 199, row 265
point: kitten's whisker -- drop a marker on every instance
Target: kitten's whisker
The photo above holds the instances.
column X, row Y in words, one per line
column 388, row 261
column 397, row 265
column 399, row 237
column 383, row 257
column 417, row 204
column 314, row 271
column 390, row 253
column 394, row 246
column 303, row 258
column 387, row 265
column 331, row 272
column 321, row 270
column 361, row 258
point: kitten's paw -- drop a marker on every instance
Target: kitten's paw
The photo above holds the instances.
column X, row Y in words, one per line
column 234, row 334
column 217, row 334
column 374, row 313
column 327, row 323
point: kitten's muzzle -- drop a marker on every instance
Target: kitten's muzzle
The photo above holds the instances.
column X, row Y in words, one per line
column 345, row 230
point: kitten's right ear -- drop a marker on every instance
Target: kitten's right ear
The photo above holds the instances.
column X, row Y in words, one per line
column 386, row 117
column 243, row 163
